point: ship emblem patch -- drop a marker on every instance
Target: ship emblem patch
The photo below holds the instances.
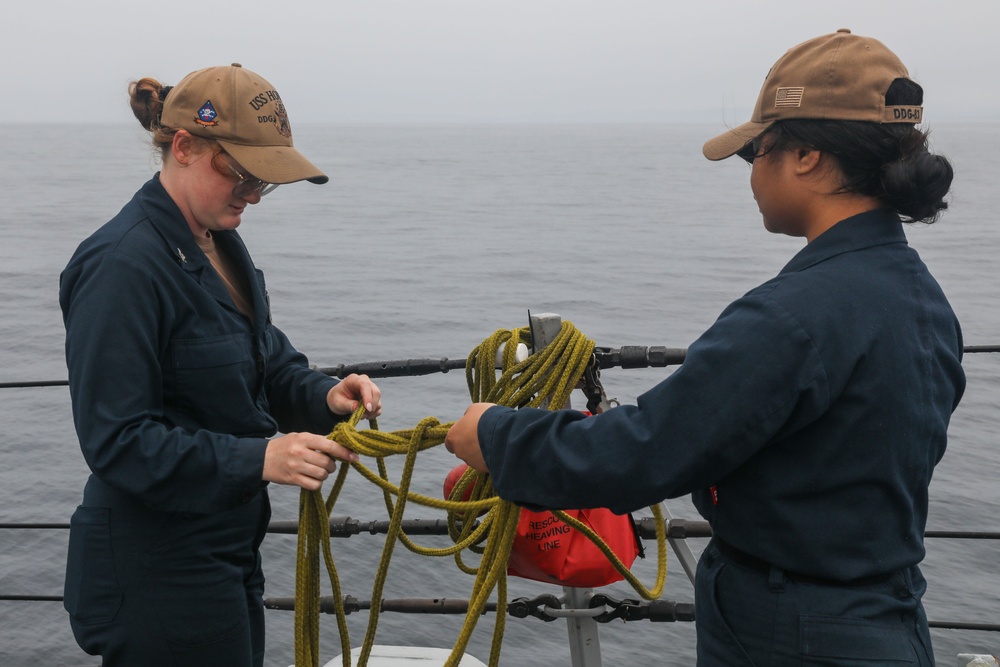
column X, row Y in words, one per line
column 281, row 121
column 206, row 115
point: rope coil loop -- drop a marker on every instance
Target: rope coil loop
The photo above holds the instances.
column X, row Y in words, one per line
column 483, row 524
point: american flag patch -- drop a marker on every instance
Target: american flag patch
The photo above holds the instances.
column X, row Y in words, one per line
column 789, row 97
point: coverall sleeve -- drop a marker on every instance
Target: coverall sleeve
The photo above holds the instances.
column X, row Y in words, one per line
column 296, row 393
column 752, row 374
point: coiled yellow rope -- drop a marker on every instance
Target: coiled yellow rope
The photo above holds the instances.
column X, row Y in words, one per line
column 545, row 378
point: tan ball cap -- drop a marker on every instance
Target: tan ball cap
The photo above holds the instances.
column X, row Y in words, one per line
column 245, row 114
column 834, row 77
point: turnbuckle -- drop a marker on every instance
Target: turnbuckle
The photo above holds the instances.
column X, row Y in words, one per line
column 636, row 610
column 524, row 607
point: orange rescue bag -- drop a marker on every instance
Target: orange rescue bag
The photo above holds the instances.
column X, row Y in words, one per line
column 546, row 549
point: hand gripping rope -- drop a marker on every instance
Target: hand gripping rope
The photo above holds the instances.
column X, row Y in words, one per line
column 544, row 378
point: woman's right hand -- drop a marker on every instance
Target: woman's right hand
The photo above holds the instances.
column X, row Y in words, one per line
column 303, row 459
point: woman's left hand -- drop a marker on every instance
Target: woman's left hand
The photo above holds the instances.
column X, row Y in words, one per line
column 352, row 391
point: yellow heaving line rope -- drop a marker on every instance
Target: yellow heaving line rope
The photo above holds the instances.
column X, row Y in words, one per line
column 545, row 378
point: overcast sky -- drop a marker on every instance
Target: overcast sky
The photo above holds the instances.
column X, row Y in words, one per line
column 477, row 61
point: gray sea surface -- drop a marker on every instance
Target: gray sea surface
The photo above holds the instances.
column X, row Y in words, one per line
column 426, row 240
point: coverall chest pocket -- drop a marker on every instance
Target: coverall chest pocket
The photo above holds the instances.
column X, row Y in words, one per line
column 215, row 377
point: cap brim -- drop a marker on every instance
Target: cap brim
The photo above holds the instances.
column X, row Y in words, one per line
column 731, row 141
column 275, row 164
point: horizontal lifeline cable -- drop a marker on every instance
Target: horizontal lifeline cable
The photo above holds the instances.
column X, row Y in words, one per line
column 658, row 610
column 344, row 526
column 546, row 607
column 627, row 356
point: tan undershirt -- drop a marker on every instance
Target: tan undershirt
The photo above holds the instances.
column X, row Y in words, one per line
column 234, row 281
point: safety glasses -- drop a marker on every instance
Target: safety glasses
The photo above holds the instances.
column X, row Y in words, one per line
column 245, row 185
column 751, row 151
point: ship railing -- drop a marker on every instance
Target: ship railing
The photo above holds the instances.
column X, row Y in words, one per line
column 601, row 607
column 582, row 608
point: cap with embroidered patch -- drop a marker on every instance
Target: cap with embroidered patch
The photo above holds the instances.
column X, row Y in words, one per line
column 834, row 77
column 245, row 114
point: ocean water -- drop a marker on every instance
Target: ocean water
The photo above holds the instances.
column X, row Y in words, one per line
column 427, row 239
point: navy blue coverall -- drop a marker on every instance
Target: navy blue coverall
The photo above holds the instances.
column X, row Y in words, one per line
column 806, row 424
column 174, row 394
